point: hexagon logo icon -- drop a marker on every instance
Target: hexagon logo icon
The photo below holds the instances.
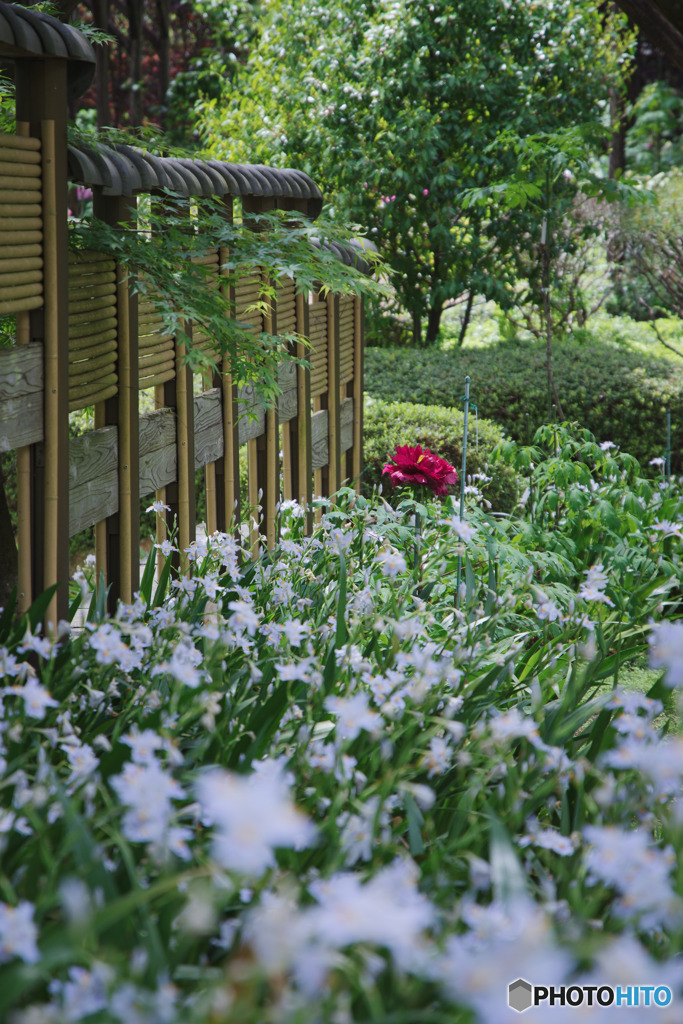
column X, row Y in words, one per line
column 520, row 995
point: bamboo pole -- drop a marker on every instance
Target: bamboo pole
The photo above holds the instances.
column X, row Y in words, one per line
column 129, row 485
column 101, row 527
column 333, row 396
column 185, row 471
column 228, row 467
column 271, row 463
column 303, row 415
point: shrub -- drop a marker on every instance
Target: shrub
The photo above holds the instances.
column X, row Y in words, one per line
column 618, row 395
column 388, row 424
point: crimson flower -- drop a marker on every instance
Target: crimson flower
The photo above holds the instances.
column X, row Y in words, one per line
column 419, row 466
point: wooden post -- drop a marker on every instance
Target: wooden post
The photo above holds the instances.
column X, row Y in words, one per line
column 24, row 524
column 117, row 539
column 333, row 396
column 356, row 391
column 41, row 101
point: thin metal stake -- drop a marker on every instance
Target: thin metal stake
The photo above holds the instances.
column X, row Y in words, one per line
column 463, row 476
column 668, row 444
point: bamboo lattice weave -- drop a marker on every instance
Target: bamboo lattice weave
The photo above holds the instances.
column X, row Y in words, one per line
column 346, row 338
column 156, row 348
column 92, row 329
column 247, row 294
column 21, row 225
column 200, row 339
column 317, row 354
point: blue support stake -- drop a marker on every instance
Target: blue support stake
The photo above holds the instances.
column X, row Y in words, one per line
column 463, row 476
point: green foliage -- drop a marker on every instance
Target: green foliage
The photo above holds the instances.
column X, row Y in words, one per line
column 647, row 253
column 388, row 424
column 159, row 248
column 395, row 108
column 308, row 759
column 583, row 499
column 655, row 130
column 620, row 395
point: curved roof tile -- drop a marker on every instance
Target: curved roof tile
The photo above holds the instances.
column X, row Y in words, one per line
column 122, row 170
column 25, row 32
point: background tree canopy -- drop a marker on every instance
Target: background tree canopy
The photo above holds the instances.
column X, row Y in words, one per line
column 394, row 107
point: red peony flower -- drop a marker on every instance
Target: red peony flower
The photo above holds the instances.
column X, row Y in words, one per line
column 419, row 466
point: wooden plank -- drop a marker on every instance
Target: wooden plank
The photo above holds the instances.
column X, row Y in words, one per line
column 208, row 424
column 208, row 427
column 93, row 478
column 319, row 433
column 252, row 416
column 21, row 421
column 346, row 424
column 319, row 439
column 287, row 403
column 158, row 460
column 21, row 370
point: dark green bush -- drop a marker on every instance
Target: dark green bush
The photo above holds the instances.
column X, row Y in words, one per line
column 619, row 395
column 388, row 424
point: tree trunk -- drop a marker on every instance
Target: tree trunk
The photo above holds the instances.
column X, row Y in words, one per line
column 100, row 10
column 433, row 323
column 466, row 319
column 135, row 15
column 552, row 386
column 617, row 153
column 417, row 328
column 163, row 15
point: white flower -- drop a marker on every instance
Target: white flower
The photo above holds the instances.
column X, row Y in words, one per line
column 666, row 651
column 547, row 609
column 143, row 744
column 438, row 758
column 593, row 587
column 85, row 992
column 461, row 528
column 146, row 790
column 252, row 816
column 513, row 725
column 36, row 698
column 353, row 715
column 386, row 911
column 18, row 933
column 83, row 762
column 243, row 618
column 627, row 861
column 295, row 631
column 391, row 562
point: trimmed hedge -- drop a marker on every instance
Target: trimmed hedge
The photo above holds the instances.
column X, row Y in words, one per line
column 388, row 424
column 619, row 395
